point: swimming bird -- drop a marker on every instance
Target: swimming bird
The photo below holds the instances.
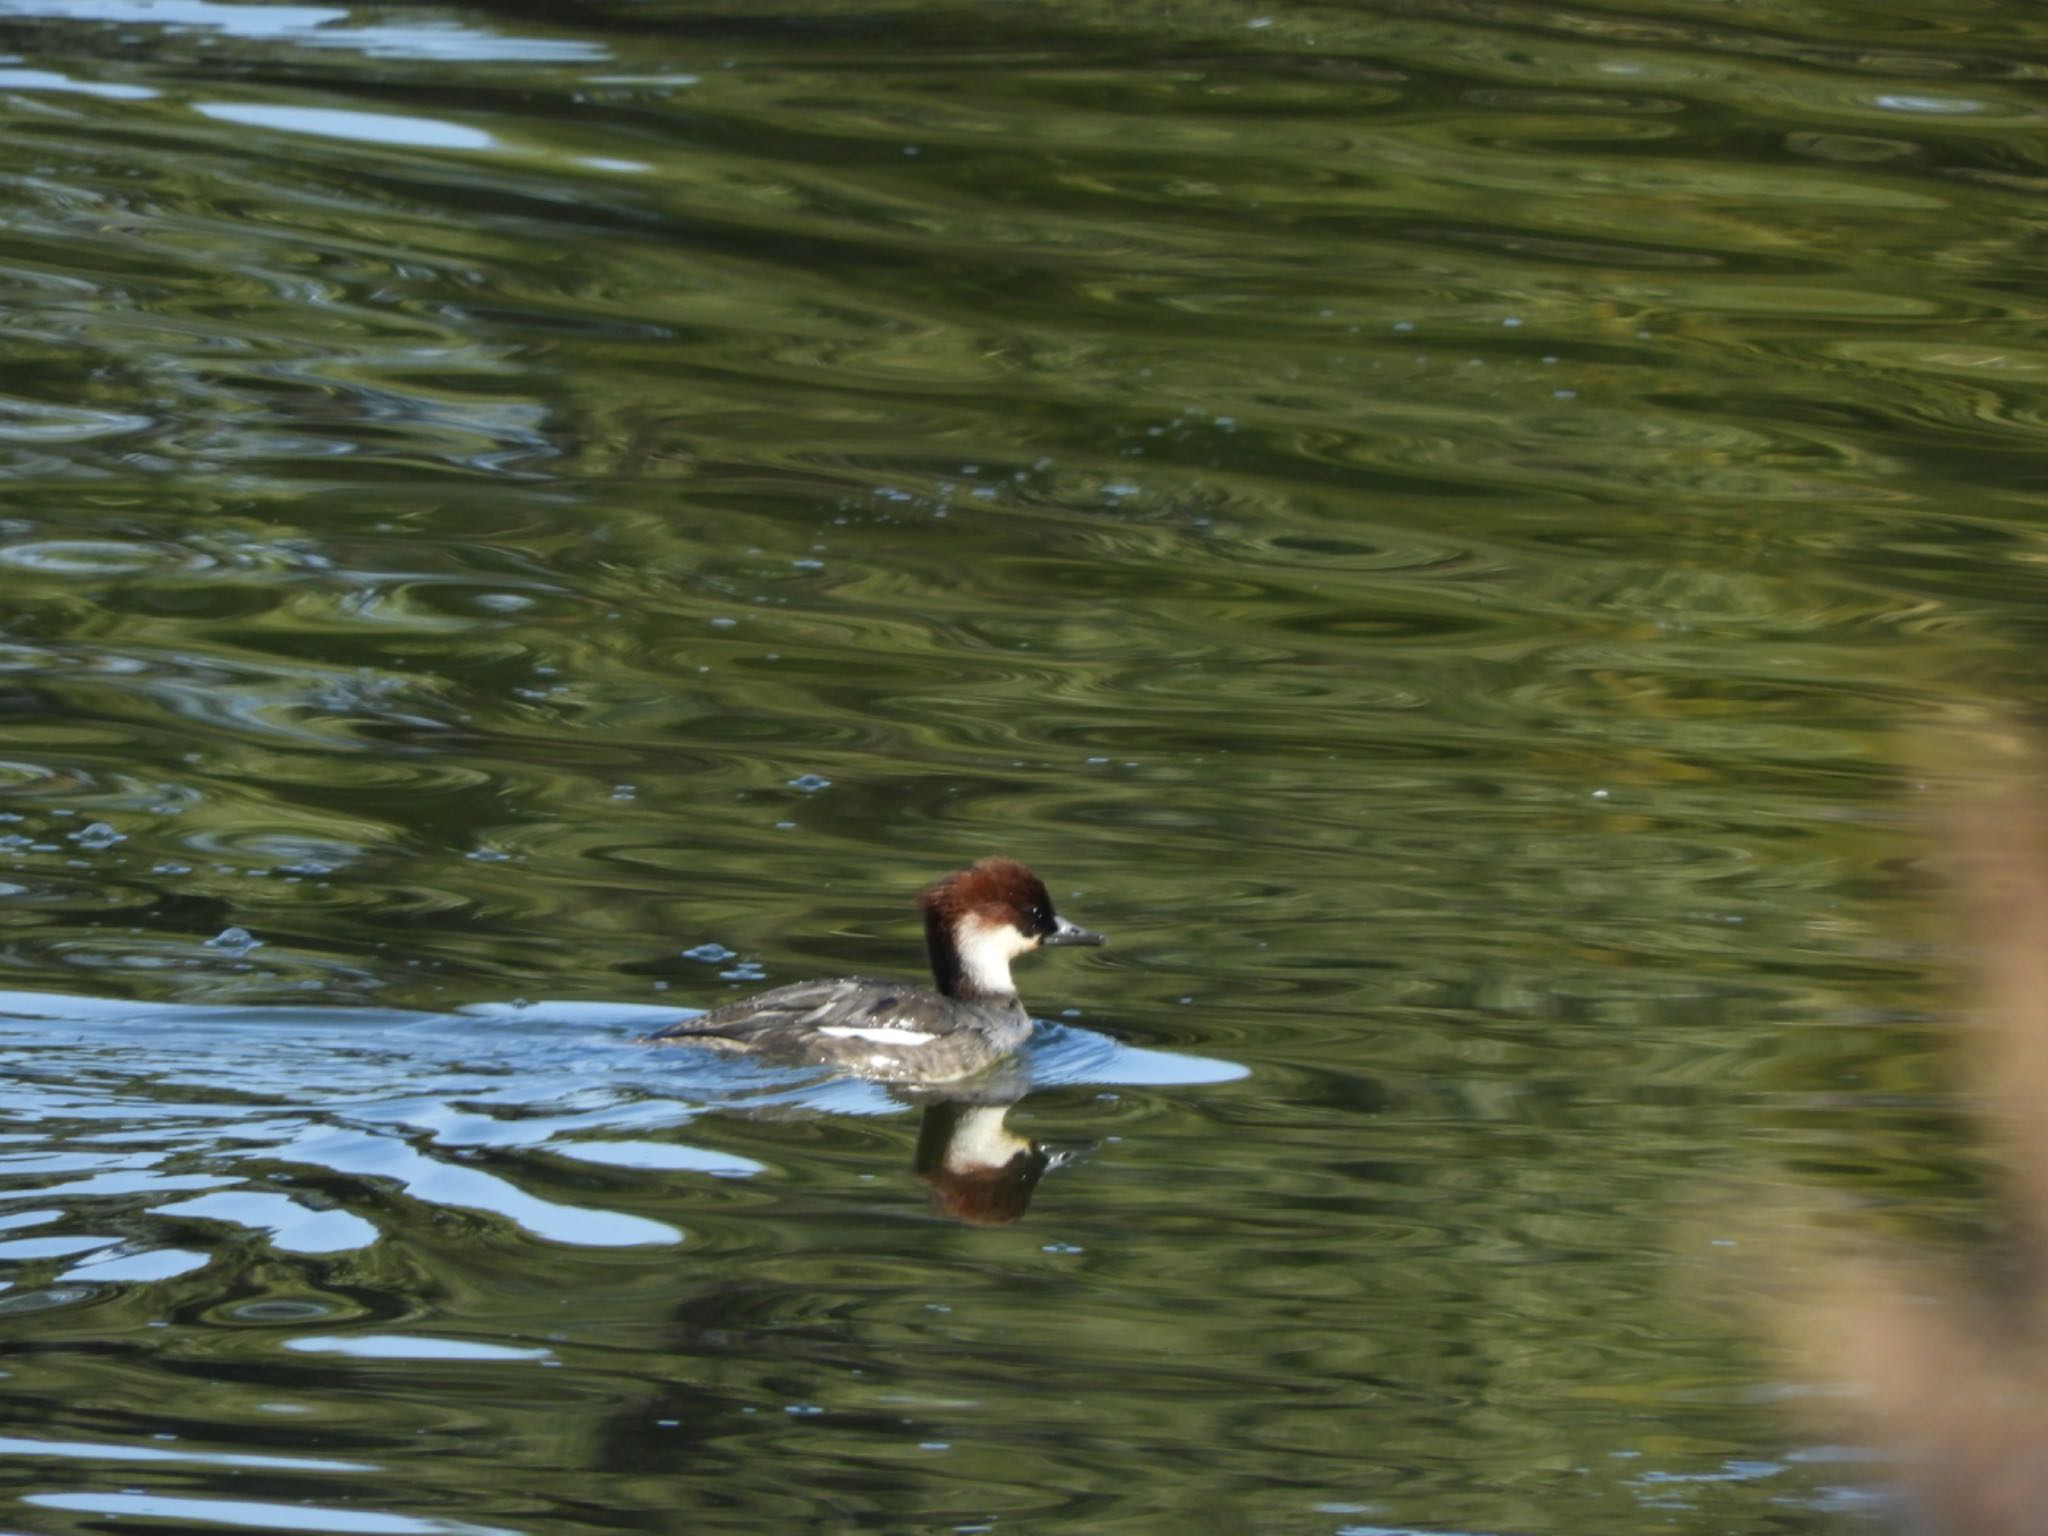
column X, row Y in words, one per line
column 976, row 921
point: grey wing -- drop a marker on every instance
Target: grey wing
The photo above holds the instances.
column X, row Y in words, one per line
column 788, row 1010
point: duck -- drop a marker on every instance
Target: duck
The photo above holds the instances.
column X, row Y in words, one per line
column 976, row 922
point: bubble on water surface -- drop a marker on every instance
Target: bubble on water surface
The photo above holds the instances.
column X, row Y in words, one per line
column 43, row 1300
column 96, row 557
column 97, row 834
column 281, row 1309
column 41, row 424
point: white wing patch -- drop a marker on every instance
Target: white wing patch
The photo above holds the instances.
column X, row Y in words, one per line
column 878, row 1034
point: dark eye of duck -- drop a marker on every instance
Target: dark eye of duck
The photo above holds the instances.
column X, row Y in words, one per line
column 1038, row 920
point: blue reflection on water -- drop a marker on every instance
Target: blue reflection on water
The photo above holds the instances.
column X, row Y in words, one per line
column 217, row 1105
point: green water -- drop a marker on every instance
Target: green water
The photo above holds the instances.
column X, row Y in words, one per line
column 1471, row 539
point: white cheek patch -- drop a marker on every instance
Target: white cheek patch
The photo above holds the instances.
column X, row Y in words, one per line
column 986, row 950
column 878, row 1034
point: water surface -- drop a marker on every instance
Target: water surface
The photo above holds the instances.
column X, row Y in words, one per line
column 1470, row 539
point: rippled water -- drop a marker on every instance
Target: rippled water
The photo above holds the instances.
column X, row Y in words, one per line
column 1467, row 537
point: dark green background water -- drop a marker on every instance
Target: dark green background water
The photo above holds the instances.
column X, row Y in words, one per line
column 1445, row 528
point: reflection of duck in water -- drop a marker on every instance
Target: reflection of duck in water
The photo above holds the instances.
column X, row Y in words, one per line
column 976, row 921
column 978, row 1169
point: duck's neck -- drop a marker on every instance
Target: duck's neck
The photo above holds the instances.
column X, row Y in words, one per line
column 971, row 960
